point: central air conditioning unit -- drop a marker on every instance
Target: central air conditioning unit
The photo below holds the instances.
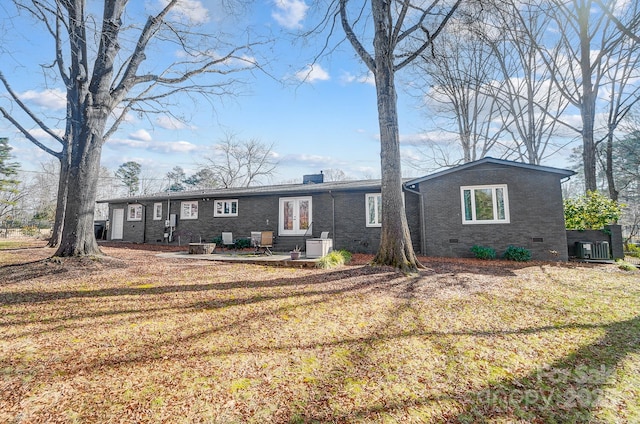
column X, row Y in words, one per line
column 600, row 250
column 592, row 250
column 584, row 250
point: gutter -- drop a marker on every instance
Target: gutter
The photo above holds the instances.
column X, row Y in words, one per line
column 423, row 235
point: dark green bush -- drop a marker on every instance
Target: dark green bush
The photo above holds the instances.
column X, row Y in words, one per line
column 518, row 254
column 243, row 243
column 483, row 252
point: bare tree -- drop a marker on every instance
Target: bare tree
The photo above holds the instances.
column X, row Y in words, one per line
column 332, row 174
column 402, row 31
column 452, row 80
column 526, row 96
column 624, row 94
column 240, row 163
column 106, row 74
column 589, row 41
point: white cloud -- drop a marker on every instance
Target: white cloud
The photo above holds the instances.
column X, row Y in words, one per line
column 155, row 146
column 430, row 137
column 54, row 99
column 192, row 11
column 141, row 135
column 313, row 73
column 290, row 13
column 349, row 78
column 41, row 135
column 170, row 123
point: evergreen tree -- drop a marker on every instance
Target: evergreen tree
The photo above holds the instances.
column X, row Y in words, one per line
column 129, row 174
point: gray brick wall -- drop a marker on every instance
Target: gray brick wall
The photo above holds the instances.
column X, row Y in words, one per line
column 536, row 213
column 260, row 213
column 535, row 203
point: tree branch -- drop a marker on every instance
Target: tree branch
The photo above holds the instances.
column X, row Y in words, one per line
column 31, row 115
column 410, row 58
column 353, row 39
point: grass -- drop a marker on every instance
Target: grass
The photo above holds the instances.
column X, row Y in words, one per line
column 334, row 259
column 142, row 339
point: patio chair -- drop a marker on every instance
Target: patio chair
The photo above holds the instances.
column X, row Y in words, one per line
column 266, row 242
column 228, row 241
column 255, row 239
column 324, row 235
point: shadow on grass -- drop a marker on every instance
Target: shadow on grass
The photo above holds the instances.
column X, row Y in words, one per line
column 567, row 390
column 20, row 297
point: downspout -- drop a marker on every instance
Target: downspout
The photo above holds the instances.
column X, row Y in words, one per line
column 423, row 235
column 144, row 224
column 333, row 214
column 170, row 238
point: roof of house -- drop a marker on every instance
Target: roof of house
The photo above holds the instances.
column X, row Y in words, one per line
column 563, row 173
column 253, row 191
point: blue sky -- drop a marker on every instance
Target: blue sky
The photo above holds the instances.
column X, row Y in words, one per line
column 318, row 119
column 327, row 121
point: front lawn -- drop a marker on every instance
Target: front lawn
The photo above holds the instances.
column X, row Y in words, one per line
column 138, row 338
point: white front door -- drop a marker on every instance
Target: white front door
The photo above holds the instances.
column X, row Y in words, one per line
column 117, row 224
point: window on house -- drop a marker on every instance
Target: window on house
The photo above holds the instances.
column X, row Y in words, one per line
column 374, row 209
column 135, row 213
column 227, row 207
column 485, row 204
column 157, row 211
column 189, row 210
column 295, row 215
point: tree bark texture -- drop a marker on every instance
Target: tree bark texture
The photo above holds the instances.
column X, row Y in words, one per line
column 395, row 241
column 588, row 106
column 61, row 204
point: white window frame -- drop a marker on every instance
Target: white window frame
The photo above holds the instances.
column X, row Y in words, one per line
column 226, row 208
column 189, row 209
column 296, row 231
column 157, row 211
column 378, row 211
column 134, row 212
column 494, row 197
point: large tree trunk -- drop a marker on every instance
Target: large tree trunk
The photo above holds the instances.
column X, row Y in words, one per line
column 78, row 237
column 611, row 182
column 395, row 241
column 588, row 104
column 61, row 204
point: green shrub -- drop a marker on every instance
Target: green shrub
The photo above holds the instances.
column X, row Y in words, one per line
column 334, row 259
column 243, row 243
column 626, row 266
column 632, row 250
column 591, row 212
column 518, row 254
column 482, row 252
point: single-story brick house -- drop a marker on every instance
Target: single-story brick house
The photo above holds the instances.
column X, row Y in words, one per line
column 489, row 202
